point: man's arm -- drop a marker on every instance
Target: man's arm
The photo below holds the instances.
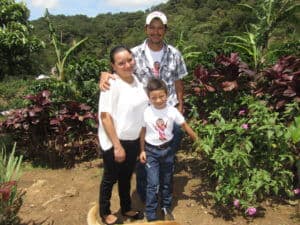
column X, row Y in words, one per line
column 104, row 80
column 179, row 88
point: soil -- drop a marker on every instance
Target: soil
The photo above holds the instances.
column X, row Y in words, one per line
column 64, row 197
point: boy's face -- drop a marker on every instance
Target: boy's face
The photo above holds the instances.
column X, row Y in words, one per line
column 158, row 98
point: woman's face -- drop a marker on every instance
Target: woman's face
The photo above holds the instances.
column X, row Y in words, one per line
column 123, row 64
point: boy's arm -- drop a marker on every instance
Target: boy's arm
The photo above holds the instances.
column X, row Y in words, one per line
column 190, row 131
column 109, row 127
column 142, row 145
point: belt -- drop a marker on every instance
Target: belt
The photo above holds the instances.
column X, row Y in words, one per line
column 162, row 146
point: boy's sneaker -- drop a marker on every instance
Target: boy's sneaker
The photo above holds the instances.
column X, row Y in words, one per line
column 167, row 214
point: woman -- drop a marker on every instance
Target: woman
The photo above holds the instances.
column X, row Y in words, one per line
column 120, row 115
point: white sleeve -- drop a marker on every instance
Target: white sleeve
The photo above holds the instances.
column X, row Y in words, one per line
column 106, row 99
column 179, row 119
column 144, row 116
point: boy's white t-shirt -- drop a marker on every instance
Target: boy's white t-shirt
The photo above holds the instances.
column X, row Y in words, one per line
column 125, row 103
column 159, row 124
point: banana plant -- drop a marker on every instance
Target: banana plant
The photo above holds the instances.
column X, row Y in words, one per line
column 269, row 14
column 60, row 56
column 190, row 55
column 248, row 44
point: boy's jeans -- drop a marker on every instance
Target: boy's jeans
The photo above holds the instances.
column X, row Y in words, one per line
column 159, row 168
column 141, row 181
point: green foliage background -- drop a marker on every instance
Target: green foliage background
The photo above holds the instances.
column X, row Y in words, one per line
column 204, row 24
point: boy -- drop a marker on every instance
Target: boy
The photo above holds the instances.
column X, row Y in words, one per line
column 156, row 151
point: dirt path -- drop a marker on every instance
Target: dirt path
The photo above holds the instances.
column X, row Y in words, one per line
column 63, row 197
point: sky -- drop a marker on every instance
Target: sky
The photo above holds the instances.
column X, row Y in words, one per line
column 90, row 8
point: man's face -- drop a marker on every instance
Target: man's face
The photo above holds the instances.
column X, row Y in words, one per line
column 155, row 31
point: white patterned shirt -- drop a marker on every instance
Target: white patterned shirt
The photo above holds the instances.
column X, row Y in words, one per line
column 172, row 68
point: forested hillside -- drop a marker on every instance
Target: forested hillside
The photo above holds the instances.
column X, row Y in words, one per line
column 203, row 23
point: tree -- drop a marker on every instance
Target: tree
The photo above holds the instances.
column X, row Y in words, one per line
column 16, row 40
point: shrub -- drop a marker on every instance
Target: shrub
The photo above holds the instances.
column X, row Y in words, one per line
column 11, row 92
column 51, row 131
column 215, row 88
column 250, row 155
column 81, row 85
column 84, row 74
column 283, row 82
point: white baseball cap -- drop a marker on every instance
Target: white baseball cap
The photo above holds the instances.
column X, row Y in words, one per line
column 156, row 14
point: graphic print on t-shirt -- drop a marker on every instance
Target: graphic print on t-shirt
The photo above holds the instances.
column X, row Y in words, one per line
column 160, row 127
column 156, row 67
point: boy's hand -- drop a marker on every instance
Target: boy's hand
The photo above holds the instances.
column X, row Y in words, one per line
column 143, row 157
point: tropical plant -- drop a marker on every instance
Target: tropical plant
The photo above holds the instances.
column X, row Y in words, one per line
column 189, row 52
column 58, row 46
column 255, row 42
column 283, row 81
column 215, row 88
column 229, row 74
column 248, row 44
column 53, row 132
column 10, row 196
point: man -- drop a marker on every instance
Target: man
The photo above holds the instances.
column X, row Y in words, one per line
column 154, row 50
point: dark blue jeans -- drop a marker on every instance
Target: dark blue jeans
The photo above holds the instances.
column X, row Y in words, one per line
column 141, row 181
column 159, row 168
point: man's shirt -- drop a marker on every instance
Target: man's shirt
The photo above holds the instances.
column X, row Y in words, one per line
column 172, row 68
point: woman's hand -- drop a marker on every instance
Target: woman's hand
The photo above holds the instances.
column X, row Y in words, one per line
column 119, row 154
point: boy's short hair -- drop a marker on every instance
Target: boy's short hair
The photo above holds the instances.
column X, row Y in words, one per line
column 155, row 84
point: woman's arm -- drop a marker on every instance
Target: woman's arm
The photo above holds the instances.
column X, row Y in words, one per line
column 109, row 127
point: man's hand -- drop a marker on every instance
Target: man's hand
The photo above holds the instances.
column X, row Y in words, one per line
column 119, row 154
column 104, row 80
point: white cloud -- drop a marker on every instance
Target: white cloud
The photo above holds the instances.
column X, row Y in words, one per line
column 50, row 4
column 134, row 3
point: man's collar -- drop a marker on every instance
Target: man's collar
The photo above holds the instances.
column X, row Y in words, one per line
column 144, row 45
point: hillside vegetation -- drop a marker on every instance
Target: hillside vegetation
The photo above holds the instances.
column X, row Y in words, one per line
column 201, row 23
